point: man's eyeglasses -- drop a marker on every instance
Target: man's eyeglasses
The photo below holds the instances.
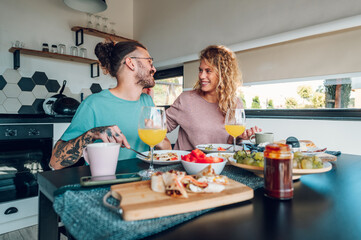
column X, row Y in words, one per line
column 149, row 58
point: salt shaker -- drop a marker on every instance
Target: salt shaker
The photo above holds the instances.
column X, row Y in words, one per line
column 278, row 182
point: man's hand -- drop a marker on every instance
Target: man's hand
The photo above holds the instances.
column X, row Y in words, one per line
column 67, row 153
column 110, row 134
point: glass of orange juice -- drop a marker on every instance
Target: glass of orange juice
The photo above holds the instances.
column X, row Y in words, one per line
column 235, row 123
column 152, row 129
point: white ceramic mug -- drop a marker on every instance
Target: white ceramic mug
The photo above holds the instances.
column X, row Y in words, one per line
column 102, row 158
column 260, row 137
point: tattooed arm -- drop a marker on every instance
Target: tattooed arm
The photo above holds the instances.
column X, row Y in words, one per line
column 67, row 153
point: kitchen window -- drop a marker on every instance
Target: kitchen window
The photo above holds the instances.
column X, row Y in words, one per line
column 169, row 85
column 318, row 93
column 327, row 97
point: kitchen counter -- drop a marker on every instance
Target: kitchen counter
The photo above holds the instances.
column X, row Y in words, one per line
column 33, row 118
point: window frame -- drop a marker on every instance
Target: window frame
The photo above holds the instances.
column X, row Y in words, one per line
column 309, row 114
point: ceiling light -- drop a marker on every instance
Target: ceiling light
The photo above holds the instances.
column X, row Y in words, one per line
column 89, row 6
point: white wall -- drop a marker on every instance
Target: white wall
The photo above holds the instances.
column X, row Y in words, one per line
column 172, row 29
column 341, row 136
column 37, row 21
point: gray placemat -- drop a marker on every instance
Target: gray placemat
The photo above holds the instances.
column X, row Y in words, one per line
column 83, row 214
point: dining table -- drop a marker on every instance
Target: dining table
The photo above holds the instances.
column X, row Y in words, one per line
column 324, row 206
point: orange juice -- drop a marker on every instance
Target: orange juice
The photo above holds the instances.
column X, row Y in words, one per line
column 235, row 130
column 152, row 136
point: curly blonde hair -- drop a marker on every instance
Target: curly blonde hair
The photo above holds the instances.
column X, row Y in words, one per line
column 224, row 62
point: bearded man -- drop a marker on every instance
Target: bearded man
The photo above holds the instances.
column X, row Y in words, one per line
column 112, row 114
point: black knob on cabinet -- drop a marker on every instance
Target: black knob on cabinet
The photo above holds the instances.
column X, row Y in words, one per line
column 34, row 132
column 11, row 210
column 11, row 132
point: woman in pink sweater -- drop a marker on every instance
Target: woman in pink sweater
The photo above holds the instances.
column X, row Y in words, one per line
column 200, row 113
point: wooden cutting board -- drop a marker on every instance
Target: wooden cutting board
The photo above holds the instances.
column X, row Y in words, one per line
column 138, row 201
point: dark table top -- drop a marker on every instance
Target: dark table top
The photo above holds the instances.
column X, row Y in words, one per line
column 325, row 206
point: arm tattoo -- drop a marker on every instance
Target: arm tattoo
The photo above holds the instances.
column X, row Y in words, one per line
column 68, row 153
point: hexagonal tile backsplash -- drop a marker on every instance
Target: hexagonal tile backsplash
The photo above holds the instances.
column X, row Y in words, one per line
column 25, row 95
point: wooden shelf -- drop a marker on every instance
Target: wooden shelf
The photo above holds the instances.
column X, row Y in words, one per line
column 97, row 33
column 53, row 55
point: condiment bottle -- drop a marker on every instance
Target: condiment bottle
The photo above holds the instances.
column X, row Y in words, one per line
column 278, row 171
column 45, row 47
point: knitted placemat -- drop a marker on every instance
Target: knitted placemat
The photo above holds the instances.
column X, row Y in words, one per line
column 83, row 214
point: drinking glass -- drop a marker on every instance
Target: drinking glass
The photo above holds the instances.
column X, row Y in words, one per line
column 97, row 25
column 112, row 31
column 105, row 24
column 89, row 21
column 152, row 130
column 235, row 123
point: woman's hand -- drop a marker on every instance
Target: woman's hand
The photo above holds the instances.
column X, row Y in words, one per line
column 249, row 132
column 245, row 135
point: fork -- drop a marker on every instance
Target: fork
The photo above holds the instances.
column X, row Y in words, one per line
column 141, row 154
column 228, row 147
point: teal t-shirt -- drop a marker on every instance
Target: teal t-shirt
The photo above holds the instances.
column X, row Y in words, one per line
column 105, row 109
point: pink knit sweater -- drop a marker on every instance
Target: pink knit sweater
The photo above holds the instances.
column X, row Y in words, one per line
column 200, row 122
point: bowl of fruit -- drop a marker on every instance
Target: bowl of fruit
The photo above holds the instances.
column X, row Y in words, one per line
column 197, row 160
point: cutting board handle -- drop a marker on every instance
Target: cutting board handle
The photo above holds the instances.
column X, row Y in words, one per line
column 118, row 210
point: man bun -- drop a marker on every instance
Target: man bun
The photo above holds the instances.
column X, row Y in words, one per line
column 103, row 51
column 111, row 54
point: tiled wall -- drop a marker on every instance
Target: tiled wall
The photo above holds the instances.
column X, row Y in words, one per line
column 25, row 95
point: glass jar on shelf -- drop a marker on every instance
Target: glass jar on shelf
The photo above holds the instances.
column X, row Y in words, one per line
column 62, row 49
column 45, row 47
column 74, row 50
column 83, row 53
column 54, row 48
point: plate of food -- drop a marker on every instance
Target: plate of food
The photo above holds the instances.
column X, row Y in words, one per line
column 217, row 147
column 163, row 157
column 302, row 163
column 307, row 146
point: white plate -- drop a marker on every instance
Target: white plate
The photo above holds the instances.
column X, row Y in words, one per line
column 296, row 172
column 215, row 146
column 179, row 153
column 315, row 150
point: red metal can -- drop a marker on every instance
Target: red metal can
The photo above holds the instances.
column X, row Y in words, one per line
column 278, row 171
